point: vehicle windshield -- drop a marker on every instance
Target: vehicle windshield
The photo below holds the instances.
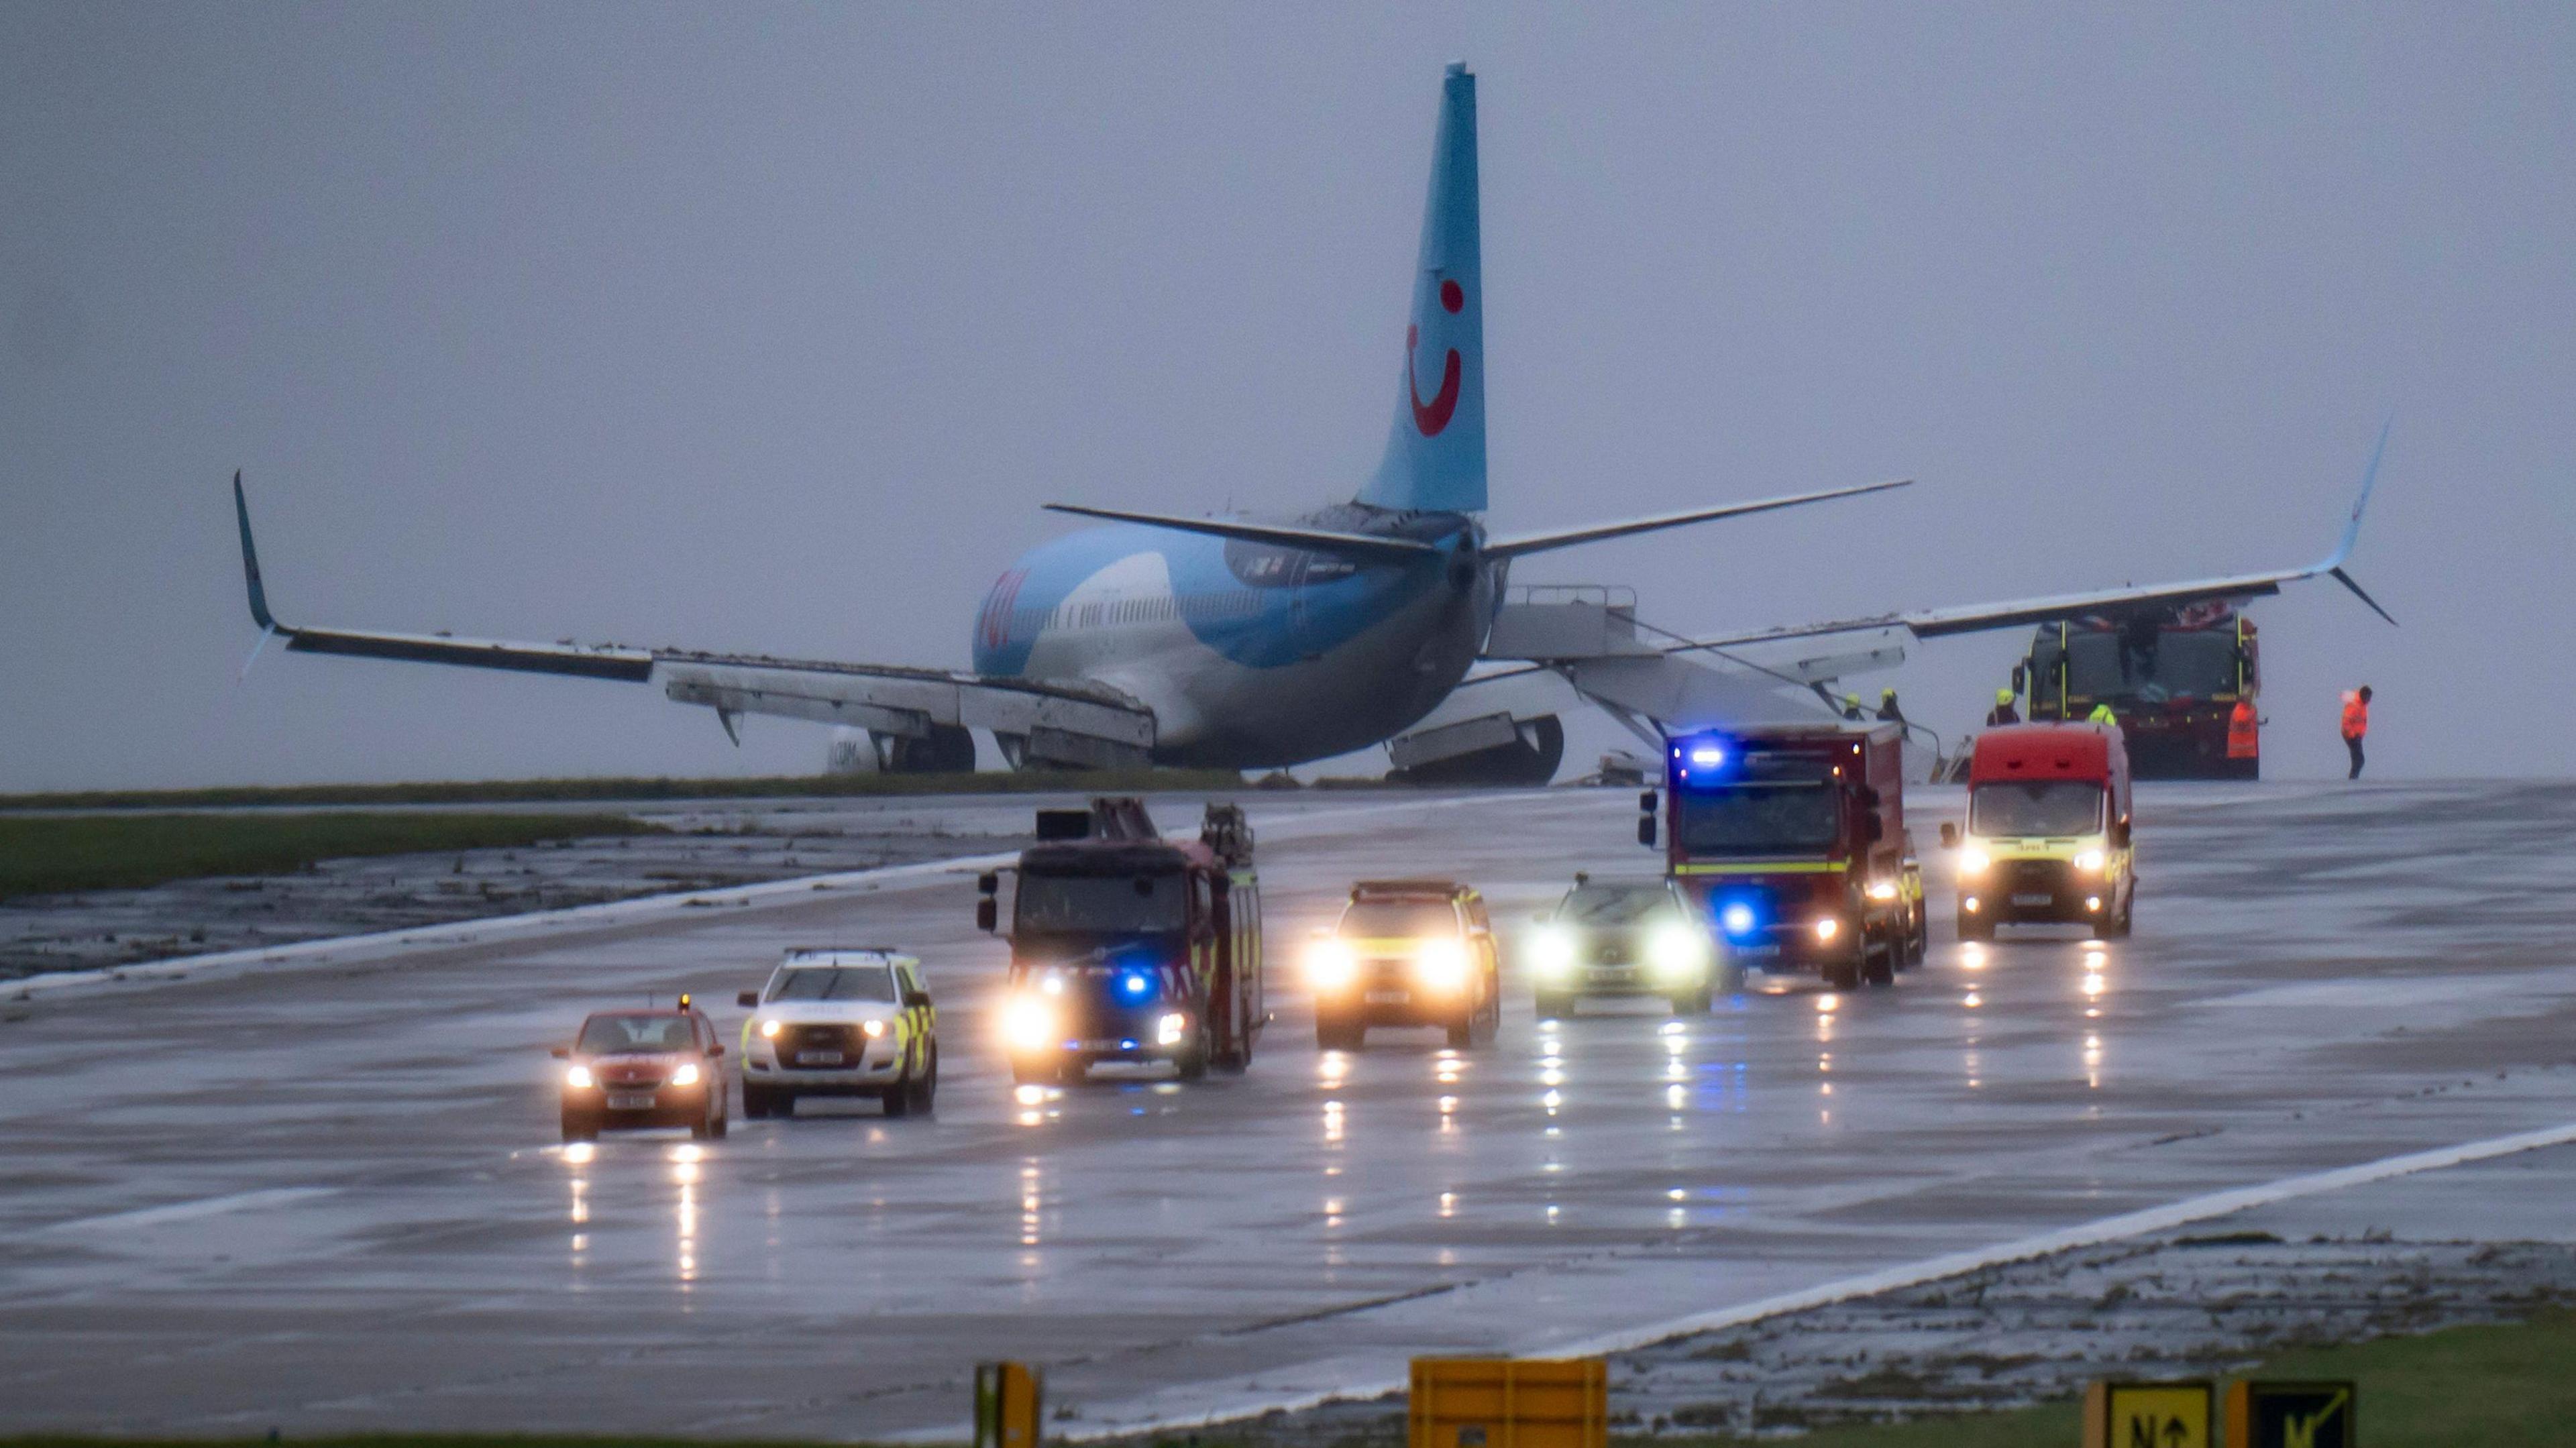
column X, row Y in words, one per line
column 834, row 983
column 1392, row 919
column 1614, row 904
column 1767, row 817
column 614, row 1035
column 1102, row 904
column 2038, row 807
column 2169, row 664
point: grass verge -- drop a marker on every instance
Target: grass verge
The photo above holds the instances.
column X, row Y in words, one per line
column 43, row 855
column 2500, row 1386
column 519, row 791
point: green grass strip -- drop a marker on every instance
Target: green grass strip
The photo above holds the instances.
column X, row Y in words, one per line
column 42, row 855
column 520, row 791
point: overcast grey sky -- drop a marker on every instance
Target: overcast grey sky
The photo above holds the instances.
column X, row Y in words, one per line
column 769, row 328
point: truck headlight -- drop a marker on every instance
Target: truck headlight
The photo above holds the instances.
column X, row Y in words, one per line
column 1027, row 1023
column 1882, row 890
column 1973, row 861
column 687, row 1075
column 2089, row 861
column 1827, row 929
column 1442, row 964
column 1675, row 950
column 1330, row 966
column 1167, row 1031
column 577, row 1078
column 1552, row 950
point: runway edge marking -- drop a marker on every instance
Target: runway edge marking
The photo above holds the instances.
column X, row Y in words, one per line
column 380, row 945
column 1236, row 1398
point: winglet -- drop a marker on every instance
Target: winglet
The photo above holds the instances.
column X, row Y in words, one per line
column 2339, row 576
column 2352, row 525
column 250, row 561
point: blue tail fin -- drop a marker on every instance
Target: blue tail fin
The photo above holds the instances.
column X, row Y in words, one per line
column 1435, row 460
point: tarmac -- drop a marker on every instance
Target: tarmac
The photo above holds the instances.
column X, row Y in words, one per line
column 319, row 1190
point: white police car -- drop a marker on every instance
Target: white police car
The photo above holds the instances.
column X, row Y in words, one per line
column 841, row 1022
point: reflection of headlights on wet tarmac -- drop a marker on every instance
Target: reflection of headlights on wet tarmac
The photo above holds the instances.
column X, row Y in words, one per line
column 1827, row 929
column 1330, row 965
column 2089, row 862
column 687, row 1075
column 1552, row 950
column 1973, row 861
column 1675, row 951
column 577, row 1077
column 1027, row 1023
column 1167, row 1032
column 1442, row 964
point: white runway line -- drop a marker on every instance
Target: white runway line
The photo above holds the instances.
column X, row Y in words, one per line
column 385, row 944
column 1205, row 1404
column 190, row 1211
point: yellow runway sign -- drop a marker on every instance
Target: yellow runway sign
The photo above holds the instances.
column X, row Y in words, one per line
column 2147, row 1415
column 2290, row 1415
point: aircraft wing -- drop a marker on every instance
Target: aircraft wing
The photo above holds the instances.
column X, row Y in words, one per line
column 1080, row 724
column 2106, row 602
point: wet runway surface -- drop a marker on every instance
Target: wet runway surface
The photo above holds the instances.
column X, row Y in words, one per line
column 330, row 1197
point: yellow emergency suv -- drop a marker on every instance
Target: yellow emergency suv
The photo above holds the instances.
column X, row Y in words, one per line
column 1407, row 953
column 841, row 1022
column 2048, row 831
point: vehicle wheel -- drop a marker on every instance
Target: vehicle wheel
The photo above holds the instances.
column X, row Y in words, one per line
column 1976, row 927
column 722, row 1124
column 2106, row 928
column 1333, row 1035
column 755, row 1102
column 1034, row 1073
column 1843, row 974
column 925, row 1096
column 1462, row 1033
column 1693, row 1004
column 1234, row 1060
column 1878, row 967
column 1192, row 1064
column 578, row 1128
column 702, row 1128
column 1730, row 982
column 2128, row 915
column 1918, row 942
column 1555, row 1007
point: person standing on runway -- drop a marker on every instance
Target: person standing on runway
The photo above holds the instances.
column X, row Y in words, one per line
column 2356, row 723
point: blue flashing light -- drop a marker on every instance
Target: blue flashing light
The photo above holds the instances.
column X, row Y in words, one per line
column 1707, row 756
column 1136, row 985
column 1737, row 920
column 1126, row 1045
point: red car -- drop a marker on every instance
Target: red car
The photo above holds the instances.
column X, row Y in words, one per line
column 630, row 1070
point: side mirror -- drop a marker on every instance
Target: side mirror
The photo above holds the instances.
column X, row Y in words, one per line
column 2020, row 677
column 987, row 883
column 562, row 1053
column 716, row 1050
column 988, row 914
column 1646, row 802
column 1949, row 835
column 1871, row 830
column 1646, row 831
column 916, row 1000
column 1870, row 797
column 747, row 999
column 2120, row 835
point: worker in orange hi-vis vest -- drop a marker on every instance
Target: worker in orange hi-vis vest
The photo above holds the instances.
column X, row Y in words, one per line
column 2356, row 723
column 2244, row 732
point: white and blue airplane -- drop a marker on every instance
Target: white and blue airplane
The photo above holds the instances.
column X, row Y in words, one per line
column 1229, row 642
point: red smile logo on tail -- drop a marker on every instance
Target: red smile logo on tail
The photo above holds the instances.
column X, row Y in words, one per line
column 1430, row 417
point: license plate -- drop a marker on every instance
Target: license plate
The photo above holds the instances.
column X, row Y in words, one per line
column 2034, row 899
column 630, row 1101
column 818, row 1058
column 1389, row 997
column 1753, row 950
column 1614, row 974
